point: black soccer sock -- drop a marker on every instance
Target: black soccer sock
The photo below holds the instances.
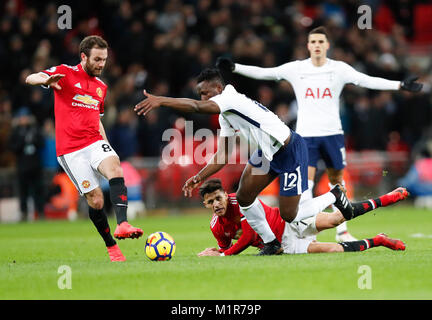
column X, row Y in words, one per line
column 359, row 245
column 365, row 206
column 118, row 195
column 99, row 219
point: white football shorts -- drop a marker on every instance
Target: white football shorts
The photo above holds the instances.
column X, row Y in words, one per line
column 297, row 236
column 81, row 165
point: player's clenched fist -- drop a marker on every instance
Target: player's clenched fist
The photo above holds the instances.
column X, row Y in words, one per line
column 149, row 103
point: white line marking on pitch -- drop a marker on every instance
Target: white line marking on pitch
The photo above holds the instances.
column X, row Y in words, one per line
column 421, row 235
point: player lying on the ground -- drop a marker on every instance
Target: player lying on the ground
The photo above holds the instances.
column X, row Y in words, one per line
column 228, row 223
column 317, row 83
column 279, row 152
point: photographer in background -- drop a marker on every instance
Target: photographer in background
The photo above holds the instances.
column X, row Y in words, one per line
column 418, row 179
column 25, row 141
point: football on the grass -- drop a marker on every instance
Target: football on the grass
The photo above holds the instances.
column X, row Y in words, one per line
column 160, row 246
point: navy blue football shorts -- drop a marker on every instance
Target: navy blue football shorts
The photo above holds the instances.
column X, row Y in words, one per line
column 290, row 163
column 329, row 148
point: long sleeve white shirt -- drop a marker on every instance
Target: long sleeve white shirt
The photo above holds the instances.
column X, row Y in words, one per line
column 243, row 116
column 317, row 90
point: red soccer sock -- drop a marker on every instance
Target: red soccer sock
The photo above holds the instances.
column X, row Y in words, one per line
column 383, row 201
column 389, row 199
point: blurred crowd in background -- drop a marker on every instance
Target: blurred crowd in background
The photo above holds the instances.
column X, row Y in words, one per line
column 162, row 45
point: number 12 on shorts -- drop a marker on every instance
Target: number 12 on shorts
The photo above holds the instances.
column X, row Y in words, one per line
column 292, row 180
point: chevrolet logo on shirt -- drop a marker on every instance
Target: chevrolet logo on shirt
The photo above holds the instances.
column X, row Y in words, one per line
column 87, row 101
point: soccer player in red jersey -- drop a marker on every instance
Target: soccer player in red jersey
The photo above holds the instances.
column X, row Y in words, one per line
column 82, row 147
column 228, row 223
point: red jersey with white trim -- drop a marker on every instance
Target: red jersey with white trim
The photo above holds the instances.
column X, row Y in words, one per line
column 233, row 225
column 77, row 108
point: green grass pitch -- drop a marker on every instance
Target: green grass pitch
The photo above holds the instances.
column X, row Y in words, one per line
column 31, row 254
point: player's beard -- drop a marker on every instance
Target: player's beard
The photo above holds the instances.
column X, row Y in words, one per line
column 92, row 70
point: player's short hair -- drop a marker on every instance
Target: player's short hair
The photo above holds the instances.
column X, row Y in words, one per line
column 319, row 30
column 91, row 42
column 210, row 186
column 210, row 74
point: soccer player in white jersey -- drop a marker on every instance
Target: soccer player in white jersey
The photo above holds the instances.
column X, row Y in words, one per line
column 318, row 82
column 280, row 152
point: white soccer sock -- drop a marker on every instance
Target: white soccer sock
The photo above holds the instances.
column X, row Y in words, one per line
column 312, row 207
column 255, row 216
column 308, row 194
column 343, row 226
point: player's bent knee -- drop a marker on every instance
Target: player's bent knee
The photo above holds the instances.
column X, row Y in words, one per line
column 336, row 248
column 117, row 171
column 335, row 181
column 111, row 168
column 288, row 214
column 95, row 199
column 96, row 203
column 244, row 201
column 331, row 248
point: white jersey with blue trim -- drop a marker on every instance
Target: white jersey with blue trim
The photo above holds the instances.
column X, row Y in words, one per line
column 317, row 90
column 253, row 121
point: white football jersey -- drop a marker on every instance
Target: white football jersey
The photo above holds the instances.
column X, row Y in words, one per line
column 250, row 119
column 317, row 91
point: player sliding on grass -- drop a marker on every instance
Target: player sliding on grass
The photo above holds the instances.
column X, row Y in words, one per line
column 280, row 152
column 318, row 83
column 82, row 147
column 228, row 223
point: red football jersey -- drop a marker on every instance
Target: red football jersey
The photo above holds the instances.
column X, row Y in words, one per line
column 77, row 108
column 233, row 225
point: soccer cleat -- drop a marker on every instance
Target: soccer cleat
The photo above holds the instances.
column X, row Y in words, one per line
column 342, row 202
column 345, row 237
column 271, row 248
column 125, row 230
column 383, row 240
column 396, row 195
column 115, row 254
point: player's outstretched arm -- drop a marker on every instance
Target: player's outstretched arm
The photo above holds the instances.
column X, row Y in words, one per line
column 42, row 79
column 180, row 104
column 376, row 83
column 247, row 237
column 219, row 160
column 408, row 84
column 227, row 65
